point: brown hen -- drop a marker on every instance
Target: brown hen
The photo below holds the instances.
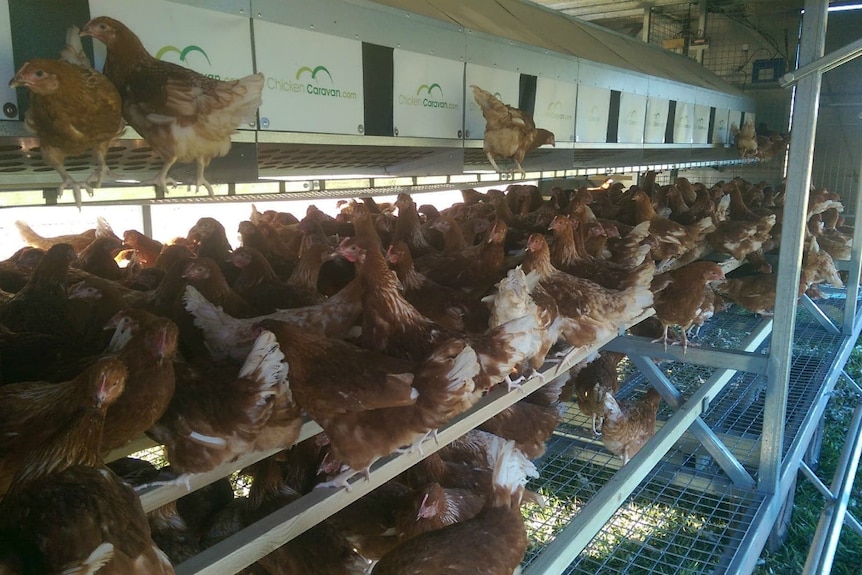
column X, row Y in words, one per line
column 499, row 526
column 509, row 132
column 587, row 311
column 183, row 115
column 679, row 296
column 628, row 425
column 217, row 414
column 72, row 109
column 66, row 508
column 36, row 414
column 373, row 405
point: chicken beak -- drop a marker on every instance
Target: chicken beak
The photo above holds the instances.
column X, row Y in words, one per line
column 17, row 82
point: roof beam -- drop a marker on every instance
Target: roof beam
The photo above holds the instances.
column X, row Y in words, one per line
column 631, row 13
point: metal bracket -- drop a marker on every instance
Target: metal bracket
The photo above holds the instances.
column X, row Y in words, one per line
column 818, row 314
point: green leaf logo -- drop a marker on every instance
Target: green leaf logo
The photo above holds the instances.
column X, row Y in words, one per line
column 182, row 53
column 313, row 72
column 428, row 89
column 555, row 106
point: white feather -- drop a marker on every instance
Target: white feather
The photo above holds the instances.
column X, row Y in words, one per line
column 94, row 561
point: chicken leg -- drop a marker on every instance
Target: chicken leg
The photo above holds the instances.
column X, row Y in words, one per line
column 54, row 157
column 161, row 180
column 97, row 175
column 200, row 180
column 493, row 163
column 520, row 169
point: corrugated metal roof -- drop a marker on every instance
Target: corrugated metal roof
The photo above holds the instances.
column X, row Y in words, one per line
column 532, row 24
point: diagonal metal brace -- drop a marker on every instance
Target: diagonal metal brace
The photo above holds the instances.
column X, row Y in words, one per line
column 818, row 314
column 722, row 455
column 809, row 474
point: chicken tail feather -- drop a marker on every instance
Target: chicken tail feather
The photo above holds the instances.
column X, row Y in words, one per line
column 104, row 229
column 464, row 368
column 703, row 227
column 220, row 329
column 265, row 363
column 639, row 233
column 29, row 236
column 94, row 561
column 512, row 469
column 73, row 51
column 640, row 297
column 643, row 275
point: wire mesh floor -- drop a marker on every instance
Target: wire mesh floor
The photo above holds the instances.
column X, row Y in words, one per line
column 685, row 516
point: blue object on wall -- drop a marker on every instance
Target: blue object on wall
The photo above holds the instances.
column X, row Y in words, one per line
column 769, row 70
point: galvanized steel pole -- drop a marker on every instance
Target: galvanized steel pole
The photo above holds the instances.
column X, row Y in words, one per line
column 804, row 128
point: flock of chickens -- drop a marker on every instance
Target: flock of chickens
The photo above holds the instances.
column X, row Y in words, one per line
column 381, row 328
column 184, row 116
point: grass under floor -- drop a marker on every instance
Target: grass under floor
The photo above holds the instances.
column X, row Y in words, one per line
column 790, row 558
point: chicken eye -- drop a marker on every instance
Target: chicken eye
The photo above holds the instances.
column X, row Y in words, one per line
column 39, row 73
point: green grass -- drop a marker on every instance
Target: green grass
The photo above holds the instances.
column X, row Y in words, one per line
column 808, row 503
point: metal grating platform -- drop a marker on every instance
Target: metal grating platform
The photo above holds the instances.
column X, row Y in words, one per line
column 685, row 516
column 670, row 524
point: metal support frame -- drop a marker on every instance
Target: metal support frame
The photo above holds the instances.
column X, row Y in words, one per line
column 647, row 23
column 752, row 544
column 822, row 551
column 852, row 382
column 710, row 441
column 822, row 64
column 701, row 25
column 600, row 508
column 818, row 314
column 809, row 474
column 707, row 357
column 855, row 266
column 147, row 220
column 801, row 153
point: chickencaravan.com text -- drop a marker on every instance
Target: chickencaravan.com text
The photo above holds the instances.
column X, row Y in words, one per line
column 427, row 102
column 284, row 85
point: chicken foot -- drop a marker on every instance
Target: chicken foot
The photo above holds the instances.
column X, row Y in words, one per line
column 98, row 175
column 526, row 373
column 520, row 169
column 596, row 432
column 69, row 183
column 664, row 339
column 515, row 383
column 343, row 479
column 493, row 163
column 200, row 180
column 54, row 158
column 417, row 445
column 182, row 480
column 161, row 180
column 559, row 356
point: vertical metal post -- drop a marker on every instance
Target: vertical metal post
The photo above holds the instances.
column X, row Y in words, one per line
column 855, row 262
column 701, row 27
column 647, row 24
column 792, row 238
column 147, row 219
column 822, row 551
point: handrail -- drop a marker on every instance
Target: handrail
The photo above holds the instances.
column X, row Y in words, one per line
column 824, row 64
